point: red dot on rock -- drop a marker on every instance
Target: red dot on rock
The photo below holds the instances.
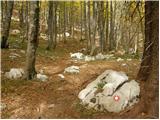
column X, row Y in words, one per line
column 116, row 98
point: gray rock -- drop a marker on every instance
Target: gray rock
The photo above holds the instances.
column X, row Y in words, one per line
column 127, row 97
column 2, row 106
column 14, row 73
column 100, row 56
column 72, row 69
column 120, row 59
column 110, row 91
column 78, row 55
column 89, row 58
column 61, row 76
column 42, row 77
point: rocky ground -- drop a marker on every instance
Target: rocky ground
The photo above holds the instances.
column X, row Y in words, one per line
column 57, row 97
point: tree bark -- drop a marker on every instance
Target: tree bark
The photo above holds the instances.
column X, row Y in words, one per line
column 64, row 18
column 89, row 26
column 107, row 26
column 149, row 71
column 111, row 47
column 85, row 21
column 30, row 71
column 50, row 26
column 6, row 25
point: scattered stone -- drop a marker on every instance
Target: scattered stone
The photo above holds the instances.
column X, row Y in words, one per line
column 109, row 56
column 15, row 19
column 51, row 106
column 110, row 91
column 2, row 106
column 61, row 76
column 42, row 77
column 14, row 73
column 22, row 51
column 78, row 55
column 89, row 58
column 12, row 57
column 15, row 54
column 120, row 59
column 100, row 56
column 72, row 69
column 129, row 59
column 59, row 35
column 15, row 32
column 67, row 34
column 44, row 36
column 123, row 64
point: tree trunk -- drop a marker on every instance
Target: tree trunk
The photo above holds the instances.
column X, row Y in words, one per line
column 33, row 40
column 50, row 26
column 93, row 28
column 111, row 27
column 64, row 18
column 6, row 25
column 81, row 22
column 89, row 26
column 85, row 21
column 107, row 26
column 101, row 25
column 149, row 71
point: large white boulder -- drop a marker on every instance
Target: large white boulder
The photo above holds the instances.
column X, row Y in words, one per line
column 72, row 69
column 114, row 95
column 14, row 73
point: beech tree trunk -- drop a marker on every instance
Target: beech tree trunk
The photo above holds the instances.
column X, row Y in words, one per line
column 6, row 24
column 30, row 71
column 50, row 26
column 149, row 71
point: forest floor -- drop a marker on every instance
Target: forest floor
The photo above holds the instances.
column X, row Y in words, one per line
column 55, row 98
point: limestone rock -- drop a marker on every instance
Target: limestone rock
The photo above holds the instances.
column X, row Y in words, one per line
column 72, row 69
column 42, row 77
column 110, row 91
column 14, row 73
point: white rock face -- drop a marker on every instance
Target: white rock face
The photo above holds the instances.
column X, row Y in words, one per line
column 115, row 94
column 78, row 55
column 127, row 94
column 72, row 69
column 42, row 77
column 14, row 73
